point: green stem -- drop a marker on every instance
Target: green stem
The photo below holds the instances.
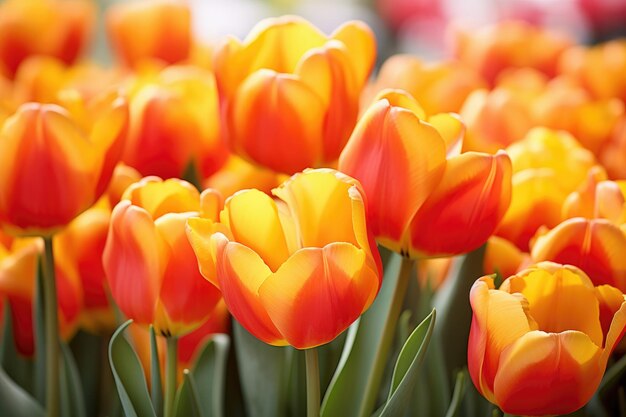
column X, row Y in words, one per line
column 171, row 361
column 312, row 383
column 52, row 330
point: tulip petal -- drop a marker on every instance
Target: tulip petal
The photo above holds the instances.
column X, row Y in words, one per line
column 595, row 246
column 240, row 274
column 451, row 129
column 253, row 220
column 317, row 293
column 159, row 197
column 134, row 260
column 360, row 44
column 499, row 319
column 465, row 208
column 276, row 120
column 560, row 300
column 548, row 373
column 199, row 232
column 397, row 158
column 611, row 300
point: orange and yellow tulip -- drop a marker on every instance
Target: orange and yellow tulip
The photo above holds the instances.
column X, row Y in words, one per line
column 547, row 166
column 291, row 273
column 150, row 266
column 438, row 87
column 503, row 257
column 66, row 25
column 422, row 202
column 150, row 29
column 56, row 164
column 17, row 284
column 291, row 93
column 175, row 121
column 238, row 174
column 539, row 344
column 510, row 44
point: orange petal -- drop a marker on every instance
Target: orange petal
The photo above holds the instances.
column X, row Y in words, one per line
column 548, row 374
column 318, row 293
column 276, row 120
column 199, row 232
column 465, row 208
column 240, row 274
column 360, row 44
column 595, row 246
column 398, row 158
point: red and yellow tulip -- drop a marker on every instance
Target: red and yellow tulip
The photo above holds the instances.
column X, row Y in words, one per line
column 422, row 202
column 291, row 93
column 539, row 344
column 150, row 266
column 290, row 271
column 56, row 163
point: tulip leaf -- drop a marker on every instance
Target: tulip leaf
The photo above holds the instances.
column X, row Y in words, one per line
column 405, row 373
column 16, row 402
column 73, row 399
column 263, row 373
column 156, row 386
column 186, row 403
column 454, row 311
column 129, row 377
column 17, row 367
column 457, row 396
column 360, row 369
column 210, row 369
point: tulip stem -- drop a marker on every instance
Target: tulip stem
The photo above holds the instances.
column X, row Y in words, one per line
column 312, row 383
column 52, row 330
column 170, row 374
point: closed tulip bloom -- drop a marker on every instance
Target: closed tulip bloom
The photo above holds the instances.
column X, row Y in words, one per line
column 174, row 122
column 54, row 166
column 17, row 283
column 67, row 26
column 238, row 174
column 291, row 93
column 597, row 198
column 141, row 30
column 290, row 272
column 399, row 157
column 149, row 264
column 539, row 344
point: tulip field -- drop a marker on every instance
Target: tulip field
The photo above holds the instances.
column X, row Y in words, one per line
column 309, row 222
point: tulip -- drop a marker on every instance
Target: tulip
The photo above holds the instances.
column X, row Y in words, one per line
column 175, row 122
column 238, row 174
column 438, row 87
column 503, row 257
column 66, row 24
column 17, row 283
column 149, row 264
column 143, row 30
column 597, row 198
column 291, row 273
column 540, row 343
column 547, row 165
column 290, row 93
column 510, row 44
column 55, row 165
column 400, row 159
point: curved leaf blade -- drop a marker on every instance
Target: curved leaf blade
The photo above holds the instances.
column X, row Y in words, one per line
column 14, row 401
column 210, row 368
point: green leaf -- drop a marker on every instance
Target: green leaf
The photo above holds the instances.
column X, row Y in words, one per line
column 72, row 397
column 17, row 367
column 263, row 373
column 156, row 387
column 365, row 352
column 129, row 377
column 186, row 402
column 14, row 401
column 457, row 395
column 210, row 368
column 405, row 374
column 454, row 310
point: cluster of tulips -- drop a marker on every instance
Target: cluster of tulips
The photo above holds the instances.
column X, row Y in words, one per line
column 267, row 212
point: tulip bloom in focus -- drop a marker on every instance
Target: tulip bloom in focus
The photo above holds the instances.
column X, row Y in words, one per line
column 17, row 283
column 539, row 344
column 66, row 25
column 422, row 202
column 152, row 271
column 156, row 29
column 291, row 93
column 55, row 164
column 175, row 121
column 290, row 272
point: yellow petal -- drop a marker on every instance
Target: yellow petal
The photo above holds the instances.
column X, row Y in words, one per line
column 360, row 43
